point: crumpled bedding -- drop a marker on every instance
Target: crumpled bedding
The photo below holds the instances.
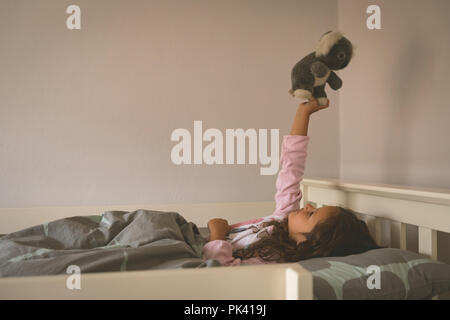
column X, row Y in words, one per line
column 113, row 241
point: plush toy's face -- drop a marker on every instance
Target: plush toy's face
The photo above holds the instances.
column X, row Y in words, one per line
column 339, row 55
column 334, row 50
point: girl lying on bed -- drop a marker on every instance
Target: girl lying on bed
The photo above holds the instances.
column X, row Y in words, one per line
column 290, row 234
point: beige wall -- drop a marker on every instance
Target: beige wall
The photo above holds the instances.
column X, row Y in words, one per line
column 394, row 119
column 86, row 116
column 394, row 115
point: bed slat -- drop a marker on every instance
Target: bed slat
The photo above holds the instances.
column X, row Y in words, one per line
column 403, row 236
column 371, row 225
column 378, row 238
column 395, row 234
column 428, row 242
column 398, row 235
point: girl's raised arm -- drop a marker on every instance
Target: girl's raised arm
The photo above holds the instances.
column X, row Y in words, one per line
column 293, row 159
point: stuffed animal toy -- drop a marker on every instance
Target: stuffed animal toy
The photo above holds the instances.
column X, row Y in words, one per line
column 310, row 74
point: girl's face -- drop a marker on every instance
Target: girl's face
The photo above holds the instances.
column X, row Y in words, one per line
column 304, row 220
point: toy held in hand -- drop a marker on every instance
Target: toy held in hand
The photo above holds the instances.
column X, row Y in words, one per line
column 310, row 74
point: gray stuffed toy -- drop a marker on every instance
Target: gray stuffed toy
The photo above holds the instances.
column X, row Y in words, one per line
column 310, row 74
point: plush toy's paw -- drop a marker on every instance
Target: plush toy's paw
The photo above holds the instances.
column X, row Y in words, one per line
column 303, row 94
column 322, row 101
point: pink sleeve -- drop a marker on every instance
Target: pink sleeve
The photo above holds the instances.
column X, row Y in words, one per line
column 222, row 251
column 292, row 162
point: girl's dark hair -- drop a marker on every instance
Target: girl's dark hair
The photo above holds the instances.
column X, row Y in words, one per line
column 339, row 235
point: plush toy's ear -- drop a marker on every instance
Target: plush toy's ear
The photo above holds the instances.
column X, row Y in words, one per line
column 326, row 33
column 327, row 41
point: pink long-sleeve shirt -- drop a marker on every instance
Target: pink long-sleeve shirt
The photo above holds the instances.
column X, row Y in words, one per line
column 287, row 199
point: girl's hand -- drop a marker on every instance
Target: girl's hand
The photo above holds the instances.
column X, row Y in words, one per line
column 312, row 106
column 218, row 229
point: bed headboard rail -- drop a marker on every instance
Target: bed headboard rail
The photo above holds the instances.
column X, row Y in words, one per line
column 391, row 212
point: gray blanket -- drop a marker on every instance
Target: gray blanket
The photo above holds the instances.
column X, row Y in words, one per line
column 114, row 241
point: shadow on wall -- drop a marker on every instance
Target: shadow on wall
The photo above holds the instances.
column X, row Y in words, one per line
column 409, row 81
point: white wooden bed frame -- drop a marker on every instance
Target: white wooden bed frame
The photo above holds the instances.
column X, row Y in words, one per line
column 388, row 210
